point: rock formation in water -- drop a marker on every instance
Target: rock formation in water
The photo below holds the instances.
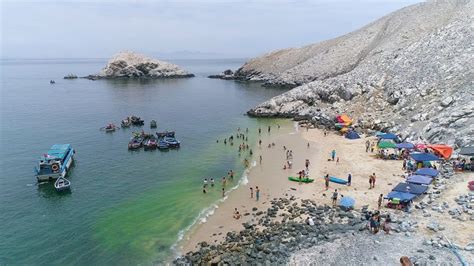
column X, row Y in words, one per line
column 410, row 71
column 133, row 65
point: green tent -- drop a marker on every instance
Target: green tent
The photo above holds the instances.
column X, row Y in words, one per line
column 386, row 145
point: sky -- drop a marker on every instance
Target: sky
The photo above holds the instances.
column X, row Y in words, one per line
column 200, row 28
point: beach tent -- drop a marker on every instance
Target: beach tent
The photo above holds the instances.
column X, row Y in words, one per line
column 405, row 145
column 344, row 119
column 444, row 150
column 352, row 135
column 467, row 150
column 420, row 179
column 427, row 171
column 386, row 145
column 403, row 196
column 410, row 188
column 387, row 136
column 424, row 157
column 346, row 203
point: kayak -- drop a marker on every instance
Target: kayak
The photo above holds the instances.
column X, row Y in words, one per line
column 297, row 179
column 337, row 180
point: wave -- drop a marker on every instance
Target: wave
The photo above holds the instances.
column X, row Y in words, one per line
column 203, row 216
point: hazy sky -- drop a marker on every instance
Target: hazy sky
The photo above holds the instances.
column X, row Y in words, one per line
column 98, row 29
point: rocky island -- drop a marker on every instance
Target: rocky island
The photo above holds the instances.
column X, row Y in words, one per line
column 410, row 71
column 134, row 65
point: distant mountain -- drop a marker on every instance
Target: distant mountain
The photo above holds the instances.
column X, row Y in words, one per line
column 410, row 71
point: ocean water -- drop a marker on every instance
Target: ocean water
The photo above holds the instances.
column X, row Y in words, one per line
column 125, row 207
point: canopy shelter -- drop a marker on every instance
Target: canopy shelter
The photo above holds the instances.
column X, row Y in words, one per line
column 405, row 145
column 427, row 172
column 344, row 119
column 352, row 135
column 467, row 150
column 420, row 179
column 347, row 202
column 444, row 151
column 388, row 136
column 424, row 157
column 386, row 145
column 402, row 196
column 410, row 188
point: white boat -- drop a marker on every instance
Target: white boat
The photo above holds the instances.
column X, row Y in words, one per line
column 62, row 184
column 55, row 163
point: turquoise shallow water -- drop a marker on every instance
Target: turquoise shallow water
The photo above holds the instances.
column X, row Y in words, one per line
column 125, row 207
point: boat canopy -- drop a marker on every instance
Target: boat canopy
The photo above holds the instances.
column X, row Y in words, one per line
column 58, row 151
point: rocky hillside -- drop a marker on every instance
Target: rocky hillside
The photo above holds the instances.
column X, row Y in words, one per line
column 411, row 71
column 133, row 65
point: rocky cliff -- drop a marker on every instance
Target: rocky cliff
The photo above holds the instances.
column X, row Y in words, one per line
column 411, row 71
column 133, row 65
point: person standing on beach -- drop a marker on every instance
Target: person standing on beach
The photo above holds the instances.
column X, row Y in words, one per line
column 325, row 133
column 380, row 201
column 269, row 128
column 289, row 164
column 259, row 131
column 307, row 145
column 334, row 198
column 246, row 163
column 251, row 192
column 349, row 179
column 326, row 181
column 307, row 164
column 333, row 154
column 260, row 159
column 404, row 166
column 257, row 193
column 259, row 142
column 223, row 192
column 367, row 146
column 374, row 177
column 337, row 160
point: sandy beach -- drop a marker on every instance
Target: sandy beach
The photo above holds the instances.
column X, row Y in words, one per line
column 273, row 181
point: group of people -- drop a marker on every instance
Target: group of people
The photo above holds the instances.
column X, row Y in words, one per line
column 211, row 182
column 375, row 222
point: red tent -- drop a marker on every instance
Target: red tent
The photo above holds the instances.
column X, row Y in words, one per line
column 444, row 151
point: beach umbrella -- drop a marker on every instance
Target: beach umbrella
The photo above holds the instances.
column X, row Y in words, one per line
column 427, row 171
column 386, row 145
column 424, row 157
column 405, row 145
column 444, row 150
column 388, row 136
column 347, row 202
column 420, row 146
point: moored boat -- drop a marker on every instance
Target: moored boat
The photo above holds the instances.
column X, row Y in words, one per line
column 62, row 184
column 150, row 144
column 152, row 124
column 172, row 142
column 135, row 143
column 126, row 122
column 110, row 128
column 165, row 134
column 162, row 145
column 55, row 163
column 136, row 121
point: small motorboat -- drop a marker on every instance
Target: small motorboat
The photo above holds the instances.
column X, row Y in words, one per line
column 172, row 142
column 165, row 134
column 137, row 121
column 126, row 122
column 109, row 128
column 52, row 82
column 62, row 184
column 153, row 124
column 162, row 145
column 150, row 144
column 135, row 143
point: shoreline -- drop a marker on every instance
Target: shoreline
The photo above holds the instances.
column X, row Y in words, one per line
column 272, row 180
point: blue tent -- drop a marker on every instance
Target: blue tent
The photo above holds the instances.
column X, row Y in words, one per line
column 405, row 145
column 410, row 188
column 388, row 136
column 419, row 179
column 403, row 196
column 427, row 171
column 424, row 157
column 352, row 135
column 347, row 202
